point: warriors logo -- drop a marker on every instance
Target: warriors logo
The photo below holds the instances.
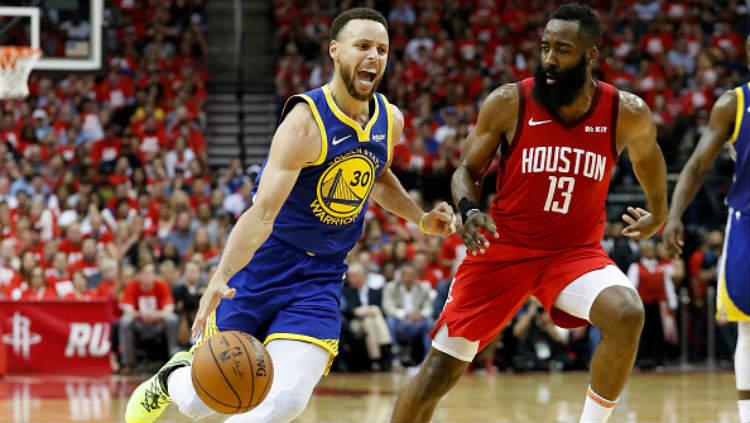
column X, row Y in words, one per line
column 343, row 188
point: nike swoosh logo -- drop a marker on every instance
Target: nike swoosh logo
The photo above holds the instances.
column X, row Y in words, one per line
column 532, row 122
column 340, row 140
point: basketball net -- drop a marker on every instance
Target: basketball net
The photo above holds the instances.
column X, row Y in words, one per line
column 15, row 66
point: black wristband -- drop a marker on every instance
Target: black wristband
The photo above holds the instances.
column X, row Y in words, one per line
column 467, row 208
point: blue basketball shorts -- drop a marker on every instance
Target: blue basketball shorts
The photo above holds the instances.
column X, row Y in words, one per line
column 285, row 293
column 733, row 299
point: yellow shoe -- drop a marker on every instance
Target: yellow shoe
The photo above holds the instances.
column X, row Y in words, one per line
column 150, row 398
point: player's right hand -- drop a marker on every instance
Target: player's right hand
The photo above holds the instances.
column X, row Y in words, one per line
column 215, row 291
column 474, row 239
column 674, row 234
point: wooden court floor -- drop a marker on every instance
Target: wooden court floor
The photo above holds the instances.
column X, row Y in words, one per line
column 558, row 397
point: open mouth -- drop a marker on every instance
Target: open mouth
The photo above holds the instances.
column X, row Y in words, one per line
column 366, row 77
column 551, row 78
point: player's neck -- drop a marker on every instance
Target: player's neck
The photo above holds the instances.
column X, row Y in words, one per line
column 581, row 104
column 355, row 109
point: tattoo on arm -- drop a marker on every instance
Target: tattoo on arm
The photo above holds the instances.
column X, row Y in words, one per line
column 228, row 273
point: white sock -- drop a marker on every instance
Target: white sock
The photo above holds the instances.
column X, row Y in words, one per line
column 742, row 368
column 744, row 408
column 596, row 409
column 180, row 387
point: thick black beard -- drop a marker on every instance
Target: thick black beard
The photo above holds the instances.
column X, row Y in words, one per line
column 567, row 86
column 347, row 75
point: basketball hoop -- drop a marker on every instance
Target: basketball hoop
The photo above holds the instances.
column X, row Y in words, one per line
column 15, row 67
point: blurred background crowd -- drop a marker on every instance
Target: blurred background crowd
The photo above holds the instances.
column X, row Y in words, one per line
column 106, row 192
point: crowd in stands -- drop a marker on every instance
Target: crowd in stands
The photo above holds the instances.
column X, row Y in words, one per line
column 105, row 189
column 106, row 192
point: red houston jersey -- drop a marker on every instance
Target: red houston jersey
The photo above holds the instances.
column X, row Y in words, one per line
column 553, row 179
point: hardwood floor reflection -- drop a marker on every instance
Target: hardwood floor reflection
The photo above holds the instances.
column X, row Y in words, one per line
column 671, row 397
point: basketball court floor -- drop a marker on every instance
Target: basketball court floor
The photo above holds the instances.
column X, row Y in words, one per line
column 558, row 397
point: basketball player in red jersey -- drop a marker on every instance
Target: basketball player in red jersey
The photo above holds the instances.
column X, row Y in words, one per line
column 560, row 134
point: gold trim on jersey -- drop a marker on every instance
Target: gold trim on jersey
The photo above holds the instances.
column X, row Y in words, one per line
column 363, row 135
column 389, row 113
column 330, row 345
column 739, row 114
column 323, row 136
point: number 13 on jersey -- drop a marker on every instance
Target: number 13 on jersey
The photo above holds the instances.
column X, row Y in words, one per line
column 564, row 186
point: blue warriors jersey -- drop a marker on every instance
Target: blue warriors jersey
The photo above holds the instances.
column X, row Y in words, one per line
column 324, row 212
column 733, row 299
column 739, row 194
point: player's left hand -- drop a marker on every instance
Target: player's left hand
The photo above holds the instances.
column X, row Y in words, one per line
column 440, row 220
column 641, row 223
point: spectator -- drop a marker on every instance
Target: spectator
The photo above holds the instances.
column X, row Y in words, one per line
column 88, row 263
column 703, row 273
column 80, row 292
column 187, row 293
column 402, row 13
column 540, row 344
column 148, row 311
column 168, row 273
column 703, row 266
column 110, row 285
column 37, row 287
column 407, row 304
column 240, row 200
column 182, row 235
column 365, row 316
column 657, row 292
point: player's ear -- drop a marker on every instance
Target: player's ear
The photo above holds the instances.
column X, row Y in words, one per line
column 333, row 49
column 592, row 54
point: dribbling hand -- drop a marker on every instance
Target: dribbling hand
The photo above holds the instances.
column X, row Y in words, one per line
column 216, row 290
column 474, row 239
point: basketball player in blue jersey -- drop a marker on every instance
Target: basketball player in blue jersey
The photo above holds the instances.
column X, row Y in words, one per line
column 280, row 275
column 730, row 120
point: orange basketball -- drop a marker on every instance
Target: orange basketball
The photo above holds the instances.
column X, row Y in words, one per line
column 232, row 372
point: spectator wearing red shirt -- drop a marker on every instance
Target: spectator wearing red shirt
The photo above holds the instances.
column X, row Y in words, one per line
column 202, row 245
column 88, row 263
column 109, row 286
column 10, row 280
column 105, row 151
column 38, row 289
column 59, row 274
column 72, row 245
column 80, row 292
column 148, row 310
column 703, row 267
column 452, row 252
column 427, row 271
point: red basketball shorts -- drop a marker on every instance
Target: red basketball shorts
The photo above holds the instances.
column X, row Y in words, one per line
column 489, row 289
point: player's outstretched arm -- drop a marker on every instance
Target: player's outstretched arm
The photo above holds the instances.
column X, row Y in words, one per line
column 717, row 133
column 391, row 195
column 636, row 131
column 295, row 144
column 496, row 117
